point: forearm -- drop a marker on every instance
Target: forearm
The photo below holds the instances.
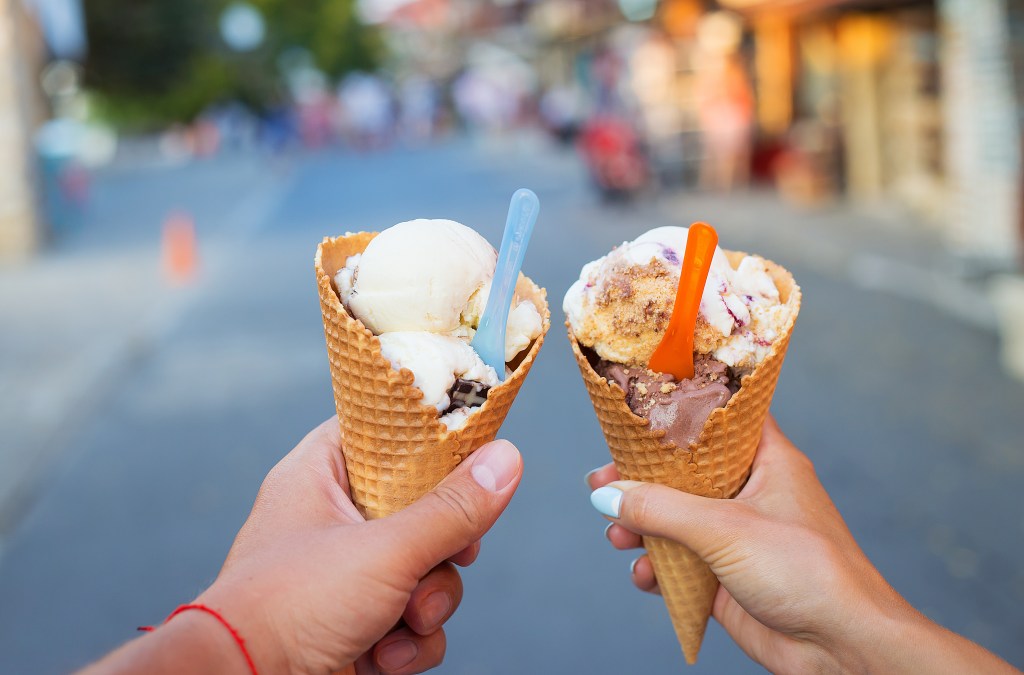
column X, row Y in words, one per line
column 913, row 643
column 930, row 648
column 192, row 642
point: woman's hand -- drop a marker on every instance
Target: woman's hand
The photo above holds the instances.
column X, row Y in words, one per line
column 797, row 594
column 314, row 588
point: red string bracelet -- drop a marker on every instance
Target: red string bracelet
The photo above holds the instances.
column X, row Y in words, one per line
column 239, row 640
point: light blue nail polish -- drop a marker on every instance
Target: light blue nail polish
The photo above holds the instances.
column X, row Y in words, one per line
column 607, row 529
column 586, row 478
column 607, row 500
column 632, row 567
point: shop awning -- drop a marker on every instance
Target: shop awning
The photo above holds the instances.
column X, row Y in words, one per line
column 796, row 7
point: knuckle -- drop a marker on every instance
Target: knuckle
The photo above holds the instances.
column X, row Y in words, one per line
column 816, row 546
column 456, row 506
column 640, row 505
column 269, row 489
column 736, row 517
column 805, row 462
column 794, row 457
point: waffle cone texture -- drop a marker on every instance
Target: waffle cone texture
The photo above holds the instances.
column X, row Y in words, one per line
column 396, row 448
column 717, row 465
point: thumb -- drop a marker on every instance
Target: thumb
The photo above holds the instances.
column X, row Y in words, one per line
column 460, row 510
column 702, row 524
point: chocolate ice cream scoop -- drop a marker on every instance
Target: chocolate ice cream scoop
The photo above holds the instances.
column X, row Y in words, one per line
column 467, row 394
column 680, row 408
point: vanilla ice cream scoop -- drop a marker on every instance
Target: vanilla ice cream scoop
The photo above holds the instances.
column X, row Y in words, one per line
column 417, row 275
column 430, row 275
column 622, row 303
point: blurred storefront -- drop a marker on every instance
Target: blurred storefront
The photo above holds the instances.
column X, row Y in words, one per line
column 903, row 101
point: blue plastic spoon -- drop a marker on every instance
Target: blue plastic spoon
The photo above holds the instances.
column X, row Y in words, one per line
column 489, row 341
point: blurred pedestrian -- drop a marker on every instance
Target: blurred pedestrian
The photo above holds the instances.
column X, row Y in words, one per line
column 725, row 105
column 419, row 100
column 367, row 108
column 613, row 155
column 725, row 112
column 315, row 116
column 562, row 111
column 278, row 128
column 483, row 104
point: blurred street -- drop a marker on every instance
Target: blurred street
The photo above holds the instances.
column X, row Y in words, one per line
column 138, row 419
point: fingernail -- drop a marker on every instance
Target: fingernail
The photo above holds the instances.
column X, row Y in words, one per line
column 632, row 567
column 607, row 500
column 397, row 654
column 607, row 530
column 496, row 465
column 435, row 608
column 586, row 479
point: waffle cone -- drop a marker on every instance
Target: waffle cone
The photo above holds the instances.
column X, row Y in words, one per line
column 396, row 448
column 717, row 465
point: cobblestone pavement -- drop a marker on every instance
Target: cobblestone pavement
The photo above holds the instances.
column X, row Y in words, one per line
column 153, row 412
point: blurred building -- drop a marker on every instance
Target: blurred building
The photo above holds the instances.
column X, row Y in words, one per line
column 909, row 101
column 32, row 32
column 22, row 107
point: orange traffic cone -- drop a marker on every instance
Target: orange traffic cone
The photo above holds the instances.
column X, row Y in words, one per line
column 179, row 249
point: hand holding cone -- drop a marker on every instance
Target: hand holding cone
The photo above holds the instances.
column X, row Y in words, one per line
column 395, row 447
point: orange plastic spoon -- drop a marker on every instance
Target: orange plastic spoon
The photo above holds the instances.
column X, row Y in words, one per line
column 675, row 353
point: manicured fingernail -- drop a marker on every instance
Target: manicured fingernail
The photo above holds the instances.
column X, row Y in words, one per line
column 607, row 530
column 586, row 479
column 632, row 567
column 435, row 609
column 496, row 465
column 397, row 654
column 607, row 500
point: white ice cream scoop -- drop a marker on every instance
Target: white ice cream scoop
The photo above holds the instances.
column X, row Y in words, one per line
column 418, row 275
column 431, row 275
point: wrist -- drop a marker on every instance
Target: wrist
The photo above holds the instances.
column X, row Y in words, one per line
column 916, row 644
column 192, row 642
column 890, row 642
column 247, row 616
column 872, row 630
column 893, row 637
column 211, row 649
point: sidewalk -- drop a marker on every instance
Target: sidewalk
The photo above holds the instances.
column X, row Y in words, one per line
column 82, row 313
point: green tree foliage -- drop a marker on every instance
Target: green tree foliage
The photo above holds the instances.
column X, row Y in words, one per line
column 152, row 62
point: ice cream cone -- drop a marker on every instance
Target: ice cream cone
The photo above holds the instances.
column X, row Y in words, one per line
column 716, row 465
column 396, row 449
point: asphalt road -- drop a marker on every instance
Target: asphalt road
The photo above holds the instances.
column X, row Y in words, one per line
column 913, row 428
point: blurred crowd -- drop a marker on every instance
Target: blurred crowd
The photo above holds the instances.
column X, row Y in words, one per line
column 620, row 109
